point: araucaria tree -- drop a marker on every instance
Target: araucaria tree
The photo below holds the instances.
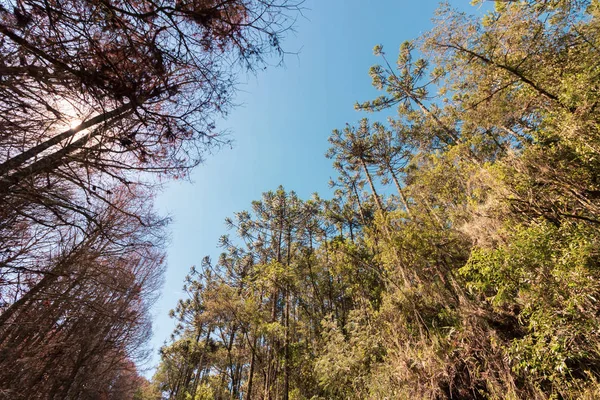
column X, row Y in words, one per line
column 99, row 101
column 459, row 256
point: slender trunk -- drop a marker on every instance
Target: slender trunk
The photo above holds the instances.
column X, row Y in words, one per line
column 231, row 363
column 432, row 213
column 275, row 297
column 45, row 282
column 400, row 192
column 251, row 372
column 49, row 162
column 368, row 176
column 360, row 207
column 270, row 353
column 449, row 131
column 61, row 267
column 22, row 158
column 286, row 384
column 42, row 284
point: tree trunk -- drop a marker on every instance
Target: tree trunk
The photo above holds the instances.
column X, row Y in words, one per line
column 51, row 161
column 286, row 382
column 22, row 158
column 368, row 176
column 251, row 372
column 400, row 192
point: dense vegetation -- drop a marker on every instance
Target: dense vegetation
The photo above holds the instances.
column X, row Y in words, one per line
column 459, row 256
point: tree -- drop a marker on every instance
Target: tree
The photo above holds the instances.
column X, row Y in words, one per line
column 73, row 330
column 352, row 150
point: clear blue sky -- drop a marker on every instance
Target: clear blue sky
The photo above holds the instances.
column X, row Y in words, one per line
column 281, row 128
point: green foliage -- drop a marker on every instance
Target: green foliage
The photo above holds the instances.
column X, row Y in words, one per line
column 550, row 274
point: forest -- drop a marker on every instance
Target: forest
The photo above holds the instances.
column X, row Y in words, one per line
column 458, row 258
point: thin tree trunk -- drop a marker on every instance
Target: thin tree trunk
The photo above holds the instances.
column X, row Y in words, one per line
column 368, row 175
column 286, row 384
column 251, row 372
column 49, row 162
column 400, row 192
column 360, row 207
column 22, row 158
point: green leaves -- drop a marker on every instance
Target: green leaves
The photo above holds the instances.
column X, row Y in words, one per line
column 550, row 275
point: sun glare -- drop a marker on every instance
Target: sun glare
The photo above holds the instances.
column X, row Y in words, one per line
column 74, row 123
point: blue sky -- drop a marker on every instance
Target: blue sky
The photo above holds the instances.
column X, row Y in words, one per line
column 282, row 124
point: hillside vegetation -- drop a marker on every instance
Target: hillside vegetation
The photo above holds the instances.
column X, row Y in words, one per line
column 459, row 256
